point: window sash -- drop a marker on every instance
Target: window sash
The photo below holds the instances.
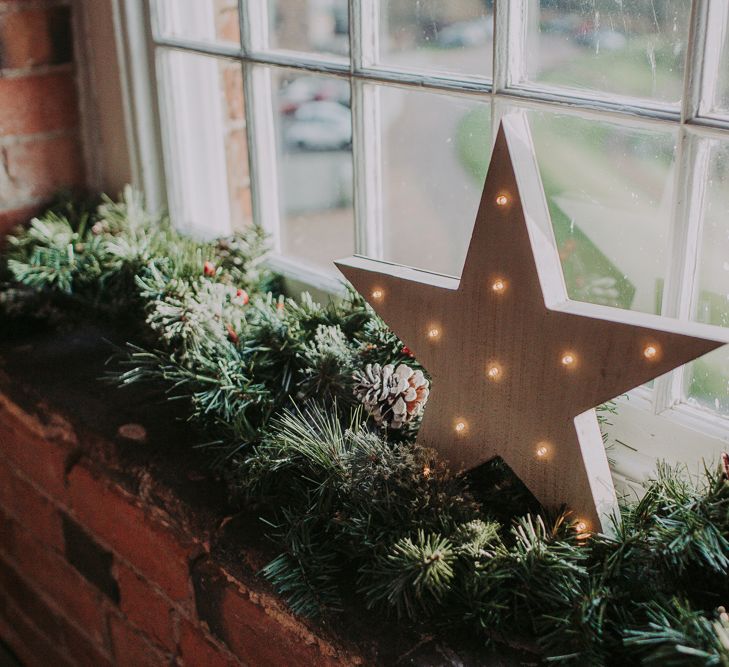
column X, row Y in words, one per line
column 694, row 119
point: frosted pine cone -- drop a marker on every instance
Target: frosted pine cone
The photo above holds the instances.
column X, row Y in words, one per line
column 393, row 396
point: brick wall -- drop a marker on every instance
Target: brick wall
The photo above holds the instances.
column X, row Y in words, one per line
column 40, row 146
column 94, row 574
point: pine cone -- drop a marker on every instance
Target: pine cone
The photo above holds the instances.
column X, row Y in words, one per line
column 393, row 396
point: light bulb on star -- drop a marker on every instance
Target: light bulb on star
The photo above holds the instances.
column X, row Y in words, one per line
column 494, row 372
column 650, row 352
column 569, row 359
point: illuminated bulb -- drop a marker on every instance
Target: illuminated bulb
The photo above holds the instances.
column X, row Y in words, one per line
column 502, row 200
column 494, row 372
column 580, row 526
column 460, row 427
column 426, row 471
column 568, row 359
column 433, row 333
column 499, row 286
column 650, row 352
column 542, row 451
column 377, row 294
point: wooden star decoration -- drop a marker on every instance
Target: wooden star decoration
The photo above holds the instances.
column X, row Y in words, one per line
column 516, row 367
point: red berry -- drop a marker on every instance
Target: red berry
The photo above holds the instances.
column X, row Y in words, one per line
column 242, row 295
column 209, row 269
column 407, row 351
column 232, row 335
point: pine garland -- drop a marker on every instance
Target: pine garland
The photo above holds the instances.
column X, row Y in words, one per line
column 357, row 508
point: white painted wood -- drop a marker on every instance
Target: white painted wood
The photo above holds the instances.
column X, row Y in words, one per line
column 555, row 359
column 135, row 56
column 262, row 148
column 198, row 198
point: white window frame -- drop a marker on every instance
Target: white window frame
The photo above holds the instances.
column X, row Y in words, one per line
column 656, row 422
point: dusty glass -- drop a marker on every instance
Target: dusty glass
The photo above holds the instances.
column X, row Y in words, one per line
column 314, row 27
column 609, row 189
column 435, row 149
column 437, row 37
column 633, row 49
column 198, row 20
column 313, row 125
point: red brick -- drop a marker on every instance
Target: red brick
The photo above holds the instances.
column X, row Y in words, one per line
column 233, row 83
column 38, row 103
column 197, row 651
column 38, row 450
column 145, row 607
column 146, row 544
column 58, row 581
column 83, row 652
column 49, row 622
column 228, row 27
column 27, row 642
column 40, row 167
column 14, row 590
column 259, row 639
column 30, row 508
column 132, row 649
column 35, row 37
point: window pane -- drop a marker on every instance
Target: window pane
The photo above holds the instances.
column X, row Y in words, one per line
column 708, row 378
column 318, row 27
column 435, row 149
column 436, row 36
column 314, row 145
column 609, row 189
column 633, row 48
column 198, row 20
column 206, row 155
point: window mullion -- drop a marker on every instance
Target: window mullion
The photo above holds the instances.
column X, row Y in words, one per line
column 692, row 173
column 244, row 27
column 695, row 68
column 708, row 25
column 261, row 133
column 510, row 17
column 366, row 130
column 136, row 53
column 255, row 23
column 364, row 29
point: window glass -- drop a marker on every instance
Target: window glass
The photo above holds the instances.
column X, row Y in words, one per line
column 721, row 96
column 436, row 36
column 314, row 149
column 204, row 136
column 609, row 189
column 198, row 20
column 635, row 48
column 708, row 377
column 435, row 149
column 318, row 27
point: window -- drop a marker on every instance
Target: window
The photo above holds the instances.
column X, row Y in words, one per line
column 366, row 125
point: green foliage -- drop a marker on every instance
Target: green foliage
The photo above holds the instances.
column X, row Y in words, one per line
column 356, row 513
